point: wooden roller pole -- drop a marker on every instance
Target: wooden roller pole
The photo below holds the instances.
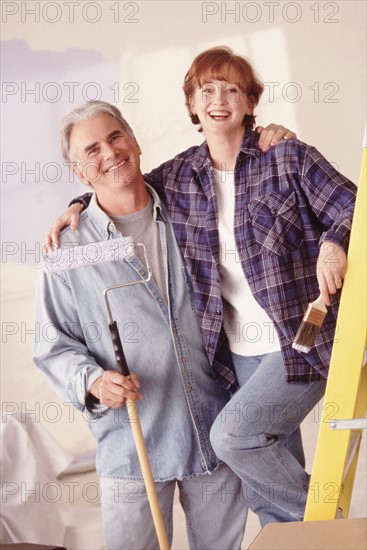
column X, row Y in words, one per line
column 132, row 409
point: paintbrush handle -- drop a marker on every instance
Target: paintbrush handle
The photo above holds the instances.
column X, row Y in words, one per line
column 117, row 348
column 319, row 304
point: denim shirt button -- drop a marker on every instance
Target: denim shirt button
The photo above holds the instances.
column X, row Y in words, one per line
column 189, row 389
column 142, row 272
column 183, row 359
column 159, row 300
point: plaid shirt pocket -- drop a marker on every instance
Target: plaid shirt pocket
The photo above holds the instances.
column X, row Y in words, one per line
column 276, row 222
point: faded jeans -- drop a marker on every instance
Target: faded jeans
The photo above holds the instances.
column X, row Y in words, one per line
column 253, row 435
column 213, row 505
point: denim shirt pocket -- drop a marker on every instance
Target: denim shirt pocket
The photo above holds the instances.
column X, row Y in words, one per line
column 276, row 222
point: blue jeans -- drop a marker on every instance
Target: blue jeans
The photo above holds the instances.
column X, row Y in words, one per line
column 213, row 505
column 253, row 435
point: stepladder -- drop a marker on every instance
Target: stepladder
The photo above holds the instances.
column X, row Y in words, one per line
column 343, row 421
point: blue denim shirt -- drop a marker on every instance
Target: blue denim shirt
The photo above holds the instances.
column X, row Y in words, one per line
column 162, row 344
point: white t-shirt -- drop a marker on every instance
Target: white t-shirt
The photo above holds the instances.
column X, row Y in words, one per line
column 249, row 328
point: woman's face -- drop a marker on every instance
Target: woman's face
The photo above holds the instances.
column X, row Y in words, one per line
column 220, row 106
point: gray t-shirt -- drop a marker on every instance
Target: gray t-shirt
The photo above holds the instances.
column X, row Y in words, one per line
column 142, row 227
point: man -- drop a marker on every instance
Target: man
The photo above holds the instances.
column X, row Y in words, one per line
column 178, row 396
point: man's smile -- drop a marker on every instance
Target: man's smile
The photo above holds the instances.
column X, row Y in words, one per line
column 116, row 166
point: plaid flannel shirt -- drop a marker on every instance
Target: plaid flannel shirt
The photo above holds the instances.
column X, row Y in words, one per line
column 287, row 202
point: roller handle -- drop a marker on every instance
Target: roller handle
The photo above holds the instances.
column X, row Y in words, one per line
column 140, row 443
column 117, row 348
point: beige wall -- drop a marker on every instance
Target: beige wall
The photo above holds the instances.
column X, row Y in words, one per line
column 311, row 55
column 319, row 46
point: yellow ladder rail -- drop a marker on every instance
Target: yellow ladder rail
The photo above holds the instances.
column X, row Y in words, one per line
column 333, row 470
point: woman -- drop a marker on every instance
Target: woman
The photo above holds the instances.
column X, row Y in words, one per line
column 262, row 235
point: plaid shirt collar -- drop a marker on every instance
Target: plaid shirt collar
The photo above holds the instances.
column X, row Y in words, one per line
column 201, row 158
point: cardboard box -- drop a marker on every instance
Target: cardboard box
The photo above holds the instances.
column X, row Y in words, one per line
column 337, row 534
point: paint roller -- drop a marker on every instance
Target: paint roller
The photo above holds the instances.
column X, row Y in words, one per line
column 116, row 250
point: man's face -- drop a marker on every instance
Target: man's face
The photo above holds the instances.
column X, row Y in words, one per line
column 107, row 156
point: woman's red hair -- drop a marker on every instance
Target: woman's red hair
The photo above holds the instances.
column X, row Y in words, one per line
column 221, row 63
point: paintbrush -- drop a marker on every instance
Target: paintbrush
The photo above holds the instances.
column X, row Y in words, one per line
column 310, row 326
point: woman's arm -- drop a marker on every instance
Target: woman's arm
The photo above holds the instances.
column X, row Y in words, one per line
column 69, row 217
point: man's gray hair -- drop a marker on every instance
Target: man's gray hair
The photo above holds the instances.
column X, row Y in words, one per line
column 90, row 110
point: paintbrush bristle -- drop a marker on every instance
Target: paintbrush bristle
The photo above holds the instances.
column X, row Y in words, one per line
column 309, row 329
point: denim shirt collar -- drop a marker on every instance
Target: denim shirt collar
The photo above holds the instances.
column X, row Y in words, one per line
column 104, row 223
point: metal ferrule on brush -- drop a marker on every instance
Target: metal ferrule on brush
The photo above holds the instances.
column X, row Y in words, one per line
column 314, row 316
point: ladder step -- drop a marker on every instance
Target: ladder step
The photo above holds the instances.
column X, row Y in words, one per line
column 350, row 424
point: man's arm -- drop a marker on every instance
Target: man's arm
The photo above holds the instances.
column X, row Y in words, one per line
column 112, row 389
column 62, row 354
